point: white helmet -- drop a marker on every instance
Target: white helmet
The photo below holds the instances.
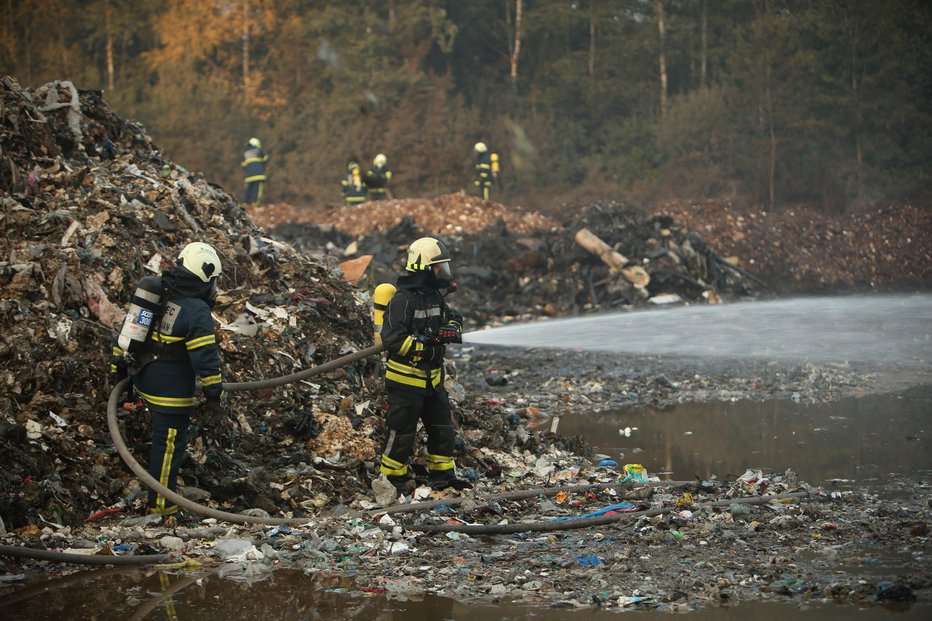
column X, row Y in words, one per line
column 255, row 143
column 201, row 260
column 480, row 147
column 380, row 160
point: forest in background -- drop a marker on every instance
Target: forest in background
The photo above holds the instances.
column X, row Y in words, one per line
column 771, row 102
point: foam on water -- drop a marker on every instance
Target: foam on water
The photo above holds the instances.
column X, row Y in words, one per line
column 865, row 328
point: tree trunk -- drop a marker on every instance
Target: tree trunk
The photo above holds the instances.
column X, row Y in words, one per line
column 246, row 49
column 108, row 17
column 9, row 37
column 771, row 173
column 856, row 94
column 592, row 22
column 516, row 48
column 661, row 27
column 704, row 35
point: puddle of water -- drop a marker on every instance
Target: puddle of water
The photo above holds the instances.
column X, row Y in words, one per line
column 289, row 594
column 864, row 439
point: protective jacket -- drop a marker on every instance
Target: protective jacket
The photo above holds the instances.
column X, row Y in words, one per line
column 484, row 176
column 377, row 178
column 254, row 160
column 414, row 312
column 182, row 348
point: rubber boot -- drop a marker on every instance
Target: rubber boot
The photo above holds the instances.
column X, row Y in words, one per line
column 439, row 482
column 404, row 484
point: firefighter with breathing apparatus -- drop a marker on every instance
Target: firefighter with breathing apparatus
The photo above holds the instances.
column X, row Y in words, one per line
column 417, row 325
column 167, row 343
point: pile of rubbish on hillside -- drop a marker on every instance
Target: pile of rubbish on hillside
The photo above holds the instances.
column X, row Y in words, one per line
column 89, row 206
column 448, row 214
column 801, row 249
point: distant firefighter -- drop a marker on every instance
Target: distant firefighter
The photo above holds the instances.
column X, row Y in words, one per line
column 487, row 170
column 254, row 160
column 378, row 177
column 354, row 190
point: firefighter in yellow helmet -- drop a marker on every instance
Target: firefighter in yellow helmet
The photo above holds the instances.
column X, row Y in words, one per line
column 378, row 177
column 487, row 170
column 179, row 350
column 417, row 327
column 254, row 159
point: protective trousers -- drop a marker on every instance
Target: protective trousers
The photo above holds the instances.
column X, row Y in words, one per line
column 484, row 189
column 252, row 193
column 405, row 409
column 169, row 442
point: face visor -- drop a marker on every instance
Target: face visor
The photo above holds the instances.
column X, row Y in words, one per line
column 212, row 293
column 442, row 275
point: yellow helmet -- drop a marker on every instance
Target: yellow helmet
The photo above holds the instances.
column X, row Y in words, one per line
column 254, row 142
column 351, row 165
column 201, row 260
column 380, row 160
column 480, row 147
column 425, row 252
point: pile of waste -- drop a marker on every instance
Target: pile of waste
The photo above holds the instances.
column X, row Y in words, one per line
column 88, row 205
column 803, row 250
column 449, row 213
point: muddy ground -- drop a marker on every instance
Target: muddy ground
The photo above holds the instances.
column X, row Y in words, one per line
column 81, row 225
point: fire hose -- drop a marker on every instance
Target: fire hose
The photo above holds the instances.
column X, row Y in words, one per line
column 549, row 525
column 80, row 559
column 190, row 505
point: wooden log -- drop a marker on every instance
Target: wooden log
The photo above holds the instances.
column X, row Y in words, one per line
column 635, row 274
column 591, row 242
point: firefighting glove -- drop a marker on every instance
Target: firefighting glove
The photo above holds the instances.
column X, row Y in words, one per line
column 215, row 415
column 428, row 350
column 215, row 422
column 452, row 332
column 429, row 337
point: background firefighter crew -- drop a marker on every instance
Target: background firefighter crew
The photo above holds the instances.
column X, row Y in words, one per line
column 354, row 190
column 254, row 160
column 181, row 349
column 487, row 170
column 378, row 177
column 417, row 326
